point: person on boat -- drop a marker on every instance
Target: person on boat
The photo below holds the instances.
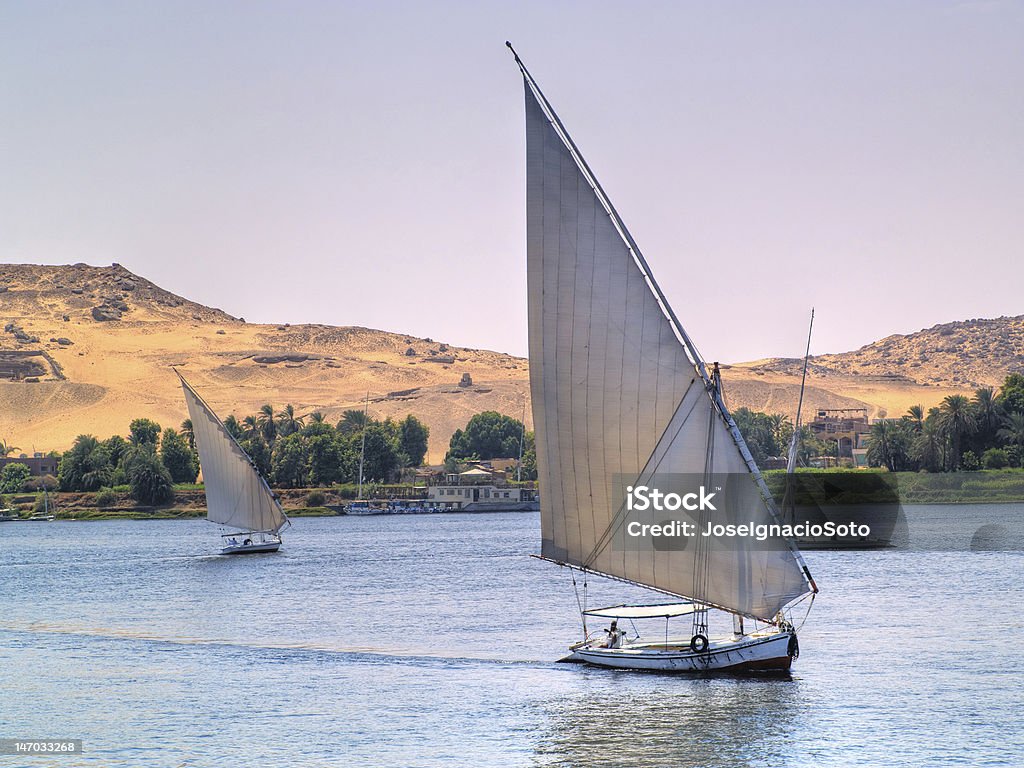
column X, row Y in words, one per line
column 614, row 635
column 233, row 541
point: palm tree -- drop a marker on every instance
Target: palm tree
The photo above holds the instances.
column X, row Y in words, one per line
column 230, row 424
column 988, row 414
column 1012, row 432
column 957, row 419
column 352, row 421
column 6, row 449
column 929, row 446
column 317, row 417
column 287, row 423
column 250, row 426
column 190, row 435
column 915, row 414
column 265, row 420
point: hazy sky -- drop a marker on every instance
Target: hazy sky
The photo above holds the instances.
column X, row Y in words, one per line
column 363, row 163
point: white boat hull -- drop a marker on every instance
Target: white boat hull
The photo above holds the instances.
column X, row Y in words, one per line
column 756, row 653
column 251, row 549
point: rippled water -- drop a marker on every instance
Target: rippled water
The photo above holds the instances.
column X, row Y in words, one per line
column 430, row 641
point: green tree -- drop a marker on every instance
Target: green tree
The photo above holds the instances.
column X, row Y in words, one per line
column 987, row 416
column 928, row 448
column 250, row 428
column 266, row 423
column 13, row 477
column 957, row 420
column 915, row 415
column 86, row 466
column 1012, row 431
column 230, row 424
column 384, row 458
column 189, row 434
column 143, row 432
column 488, row 435
column 258, row 451
column 287, row 422
column 148, row 478
column 529, row 463
column 288, row 462
column 413, row 439
column 352, row 421
column 994, row 458
column 323, row 459
column 1011, row 394
column 116, row 447
column 180, row 460
column 6, row 449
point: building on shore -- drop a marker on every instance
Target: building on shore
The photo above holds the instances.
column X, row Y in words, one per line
column 39, row 464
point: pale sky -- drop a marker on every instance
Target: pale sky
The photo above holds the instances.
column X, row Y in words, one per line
column 363, row 163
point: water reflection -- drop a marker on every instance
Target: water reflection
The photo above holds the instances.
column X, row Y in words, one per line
column 650, row 720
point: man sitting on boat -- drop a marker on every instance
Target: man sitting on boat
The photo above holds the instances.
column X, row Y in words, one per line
column 614, row 635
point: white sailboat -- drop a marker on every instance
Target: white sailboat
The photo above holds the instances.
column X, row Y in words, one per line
column 237, row 495
column 619, row 389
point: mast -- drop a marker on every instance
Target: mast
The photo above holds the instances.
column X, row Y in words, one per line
column 791, row 462
column 362, row 448
column 522, row 438
column 696, row 360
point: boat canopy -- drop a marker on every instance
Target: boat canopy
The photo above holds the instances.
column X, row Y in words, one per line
column 663, row 611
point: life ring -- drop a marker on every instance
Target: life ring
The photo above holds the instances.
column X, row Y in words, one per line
column 793, row 649
column 698, row 644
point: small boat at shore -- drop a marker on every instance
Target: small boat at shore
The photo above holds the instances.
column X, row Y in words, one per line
column 237, row 495
column 622, row 397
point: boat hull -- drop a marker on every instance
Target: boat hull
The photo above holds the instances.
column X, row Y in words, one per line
column 771, row 653
column 252, row 549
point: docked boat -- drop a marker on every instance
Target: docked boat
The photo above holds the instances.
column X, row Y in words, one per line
column 237, row 495
column 621, row 396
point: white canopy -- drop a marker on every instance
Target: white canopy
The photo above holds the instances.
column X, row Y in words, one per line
column 663, row 611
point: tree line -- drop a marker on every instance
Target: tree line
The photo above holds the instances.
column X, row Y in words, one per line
column 291, row 451
column 985, row 431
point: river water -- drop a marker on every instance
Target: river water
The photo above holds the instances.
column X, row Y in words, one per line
column 431, row 641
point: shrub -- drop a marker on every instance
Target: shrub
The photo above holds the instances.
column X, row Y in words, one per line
column 315, row 499
column 994, row 458
column 105, row 497
column 969, row 462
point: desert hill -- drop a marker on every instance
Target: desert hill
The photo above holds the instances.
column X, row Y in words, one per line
column 86, row 349
column 967, row 354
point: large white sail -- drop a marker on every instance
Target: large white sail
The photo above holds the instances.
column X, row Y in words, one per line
column 236, row 494
column 615, row 392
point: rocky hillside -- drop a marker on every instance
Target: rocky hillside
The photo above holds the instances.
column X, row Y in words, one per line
column 966, row 354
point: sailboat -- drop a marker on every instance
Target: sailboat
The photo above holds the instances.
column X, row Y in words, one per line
column 619, row 390
column 237, row 495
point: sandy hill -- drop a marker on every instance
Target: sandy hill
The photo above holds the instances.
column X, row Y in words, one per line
column 86, row 349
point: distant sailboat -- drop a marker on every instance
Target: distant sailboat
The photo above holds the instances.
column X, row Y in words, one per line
column 237, row 495
column 619, row 389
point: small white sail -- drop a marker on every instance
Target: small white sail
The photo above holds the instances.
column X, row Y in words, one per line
column 236, row 494
column 615, row 391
